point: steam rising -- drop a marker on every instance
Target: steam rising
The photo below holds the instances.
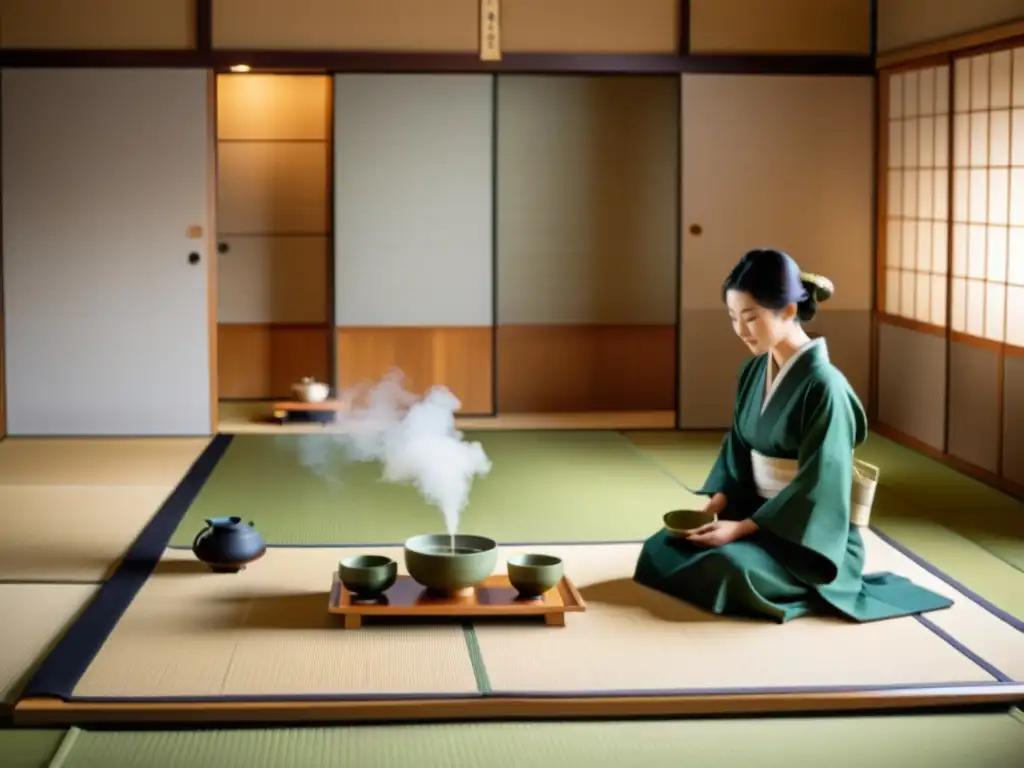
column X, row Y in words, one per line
column 414, row 439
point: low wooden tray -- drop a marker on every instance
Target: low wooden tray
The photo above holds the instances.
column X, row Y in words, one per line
column 296, row 410
column 494, row 597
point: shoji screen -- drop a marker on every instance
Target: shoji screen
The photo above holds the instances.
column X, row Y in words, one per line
column 986, row 397
column 951, row 288
column 914, row 253
column 413, row 226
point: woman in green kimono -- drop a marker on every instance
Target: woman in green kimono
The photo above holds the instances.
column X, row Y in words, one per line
column 782, row 543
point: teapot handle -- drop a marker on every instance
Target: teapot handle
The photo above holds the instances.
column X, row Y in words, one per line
column 195, row 541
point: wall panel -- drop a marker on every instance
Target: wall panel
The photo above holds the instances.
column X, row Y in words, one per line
column 274, row 108
column 274, row 279
column 458, row 357
column 272, row 187
column 780, row 26
column 1013, row 418
column 779, row 162
column 258, row 361
column 97, row 24
column 360, row 25
column 274, row 230
column 590, row 26
column 107, row 323
column 975, row 403
column 413, row 258
column 575, row 368
column 903, row 23
column 586, row 243
column 912, row 382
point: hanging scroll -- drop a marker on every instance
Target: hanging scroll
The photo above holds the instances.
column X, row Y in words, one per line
column 490, row 30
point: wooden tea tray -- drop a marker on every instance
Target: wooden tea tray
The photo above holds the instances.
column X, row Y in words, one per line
column 494, row 597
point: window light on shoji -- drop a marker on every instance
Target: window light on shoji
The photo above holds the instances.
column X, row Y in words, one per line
column 988, row 197
column 917, row 231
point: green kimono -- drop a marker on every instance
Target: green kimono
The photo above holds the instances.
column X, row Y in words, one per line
column 805, row 557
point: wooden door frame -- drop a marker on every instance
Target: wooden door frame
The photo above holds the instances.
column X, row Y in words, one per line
column 211, row 248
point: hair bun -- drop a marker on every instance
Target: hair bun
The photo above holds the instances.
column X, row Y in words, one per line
column 820, row 287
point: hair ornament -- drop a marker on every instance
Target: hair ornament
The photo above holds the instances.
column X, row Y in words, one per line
column 823, row 287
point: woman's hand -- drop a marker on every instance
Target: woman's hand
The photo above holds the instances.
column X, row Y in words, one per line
column 721, row 532
column 716, row 505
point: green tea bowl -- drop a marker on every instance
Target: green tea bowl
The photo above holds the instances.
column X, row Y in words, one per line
column 679, row 521
column 430, row 561
column 533, row 575
column 368, row 576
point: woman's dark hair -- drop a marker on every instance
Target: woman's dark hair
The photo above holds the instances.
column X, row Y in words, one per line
column 775, row 281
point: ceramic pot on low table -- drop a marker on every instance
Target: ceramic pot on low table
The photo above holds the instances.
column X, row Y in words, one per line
column 431, row 562
column 309, row 390
column 227, row 544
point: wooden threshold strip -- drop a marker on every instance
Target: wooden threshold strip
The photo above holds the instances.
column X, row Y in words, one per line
column 52, row 712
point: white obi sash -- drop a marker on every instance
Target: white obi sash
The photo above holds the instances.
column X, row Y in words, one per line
column 771, row 475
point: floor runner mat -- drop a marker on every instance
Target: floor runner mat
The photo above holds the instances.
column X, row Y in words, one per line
column 32, row 618
column 71, row 533
column 97, row 461
column 633, row 640
column 264, row 634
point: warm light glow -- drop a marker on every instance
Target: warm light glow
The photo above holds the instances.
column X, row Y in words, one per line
column 959, row 308
column 916, row 247
column 988, row 197
column 1015, row 316
column 995, row 311
column 241, row 68
column 1015, row 257
column 975, row 307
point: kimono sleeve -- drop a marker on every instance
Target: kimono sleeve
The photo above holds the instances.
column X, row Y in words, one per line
column 810, row 517
column 731, row 473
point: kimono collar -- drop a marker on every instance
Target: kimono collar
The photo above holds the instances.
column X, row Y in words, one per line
column 813, row 349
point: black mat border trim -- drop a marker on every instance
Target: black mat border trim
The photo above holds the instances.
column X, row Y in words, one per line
column 991, row 669
column 65, row 665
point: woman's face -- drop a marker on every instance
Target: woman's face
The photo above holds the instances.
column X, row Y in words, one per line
column 759, row 328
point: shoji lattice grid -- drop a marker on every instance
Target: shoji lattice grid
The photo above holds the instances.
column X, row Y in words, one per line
column 988, row 197
column 917, row 233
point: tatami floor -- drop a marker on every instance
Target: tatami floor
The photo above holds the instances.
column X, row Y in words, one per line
column 70, row 508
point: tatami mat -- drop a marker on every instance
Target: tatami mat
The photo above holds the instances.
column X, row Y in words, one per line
column 544, row 485
column 97, row 461
column 29, row 748
column 32, row 619
column 632, row 639
column 71, row 533
column 266, row 632
column 943, row 741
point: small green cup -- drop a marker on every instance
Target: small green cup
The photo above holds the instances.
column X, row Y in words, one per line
column 533, row 575
column 368, row 576
column 679, row 521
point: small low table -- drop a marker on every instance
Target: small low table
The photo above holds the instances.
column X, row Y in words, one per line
column 494, row 597
column 298, row 412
